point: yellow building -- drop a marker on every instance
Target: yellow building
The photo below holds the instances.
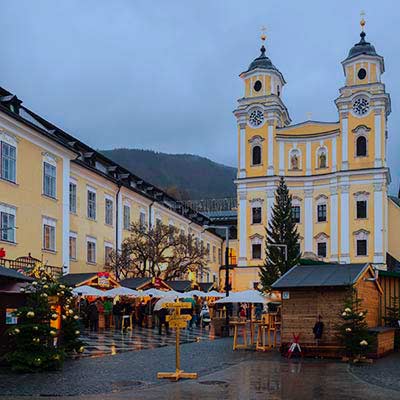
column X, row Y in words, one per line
column 62, row 201
column 336, row 171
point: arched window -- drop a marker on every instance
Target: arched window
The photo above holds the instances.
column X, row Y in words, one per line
column 361, row 146
column 256, row 156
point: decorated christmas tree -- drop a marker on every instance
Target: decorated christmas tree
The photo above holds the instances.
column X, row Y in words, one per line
column 353, row 329
column 47, row 328
column 281, row 230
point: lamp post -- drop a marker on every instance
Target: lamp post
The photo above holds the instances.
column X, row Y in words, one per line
column 226, row 227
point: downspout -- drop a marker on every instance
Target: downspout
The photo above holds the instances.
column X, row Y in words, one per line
column 117, row 227
column 150, row 207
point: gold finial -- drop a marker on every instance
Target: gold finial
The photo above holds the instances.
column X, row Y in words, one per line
column 263, row 35
column 362, row 21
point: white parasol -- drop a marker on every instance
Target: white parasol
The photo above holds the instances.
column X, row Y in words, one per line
column 214, row 293
column 246, row 296
column 197, row 293
column 167, row 299
column 86, row 290
column 121, row 291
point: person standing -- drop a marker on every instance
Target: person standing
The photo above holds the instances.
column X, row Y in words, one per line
column 107, row 305
column 93, row 317
column 117, row 313
column 162, row 320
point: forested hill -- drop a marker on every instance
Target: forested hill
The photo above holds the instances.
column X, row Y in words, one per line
column 184, row 176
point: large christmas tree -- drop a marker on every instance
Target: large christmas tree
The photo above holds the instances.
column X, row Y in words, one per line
column 281, row 230
column 38, row 343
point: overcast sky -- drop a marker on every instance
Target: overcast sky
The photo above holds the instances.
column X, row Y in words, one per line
column 163, row 75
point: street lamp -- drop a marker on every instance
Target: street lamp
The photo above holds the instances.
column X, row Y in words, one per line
column 226, row 227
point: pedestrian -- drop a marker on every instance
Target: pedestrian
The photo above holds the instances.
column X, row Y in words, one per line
column 142, row 312
column 205, row 315
column 318, row 330
column 197, row 311
column 162, row 320
column 126, row 318
column 93, row 314
column 117, row 314
column 259, row 311
column 107, row 305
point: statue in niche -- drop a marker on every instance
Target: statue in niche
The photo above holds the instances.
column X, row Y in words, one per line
column 294, row 161
column 322, row 160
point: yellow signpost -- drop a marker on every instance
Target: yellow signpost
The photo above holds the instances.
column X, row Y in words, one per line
column 177, row 321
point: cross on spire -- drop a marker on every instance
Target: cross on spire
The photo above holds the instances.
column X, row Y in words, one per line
column 362, row 21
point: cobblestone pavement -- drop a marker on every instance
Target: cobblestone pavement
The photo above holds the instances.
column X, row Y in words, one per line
column 384, row 372
column 223, row 374
column 98, row 344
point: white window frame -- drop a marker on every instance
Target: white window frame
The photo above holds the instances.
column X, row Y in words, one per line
column 256, row 240
column 91, row 240
column 73, row 200
column 49, row 186
column 7, row 140
column 51, row 223
column 142, row 218
column 321, row 238
column 88, row 202
column 126, row 216
column 9, row 211
column 73, row 235
column 108, row 210
column 361, row 196
column 107, row 245
column 320, row 201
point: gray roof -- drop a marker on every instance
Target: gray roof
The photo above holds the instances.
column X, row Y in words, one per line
column 134, row 283
column 12, row 274
column 262, row 62
column 180, row 286
column 75, row 279
column 395, row 200
column 320, row 275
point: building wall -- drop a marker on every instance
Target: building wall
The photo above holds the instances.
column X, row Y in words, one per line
column 345, row 178
column 393, row 229
column 26, row 200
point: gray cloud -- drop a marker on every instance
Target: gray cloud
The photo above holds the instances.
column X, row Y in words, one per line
column 164, row 74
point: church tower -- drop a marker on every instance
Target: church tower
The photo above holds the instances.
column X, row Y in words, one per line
column 258, row 114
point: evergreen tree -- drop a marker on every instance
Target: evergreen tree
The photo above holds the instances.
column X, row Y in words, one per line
column 281, row 230
column 353, row 331
column 38, row 345
column 392, row 319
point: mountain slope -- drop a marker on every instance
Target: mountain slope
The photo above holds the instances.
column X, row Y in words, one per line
column 184, row 176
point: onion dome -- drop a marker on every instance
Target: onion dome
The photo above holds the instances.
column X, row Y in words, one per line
column 262, row 62
column 362, row 47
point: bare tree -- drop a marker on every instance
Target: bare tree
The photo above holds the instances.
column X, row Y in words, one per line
column 159, row 251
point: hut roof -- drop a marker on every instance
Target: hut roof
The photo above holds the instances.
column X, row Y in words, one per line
column 76, row 279
column 14, row 275
column 135, row 283
column 321, row 275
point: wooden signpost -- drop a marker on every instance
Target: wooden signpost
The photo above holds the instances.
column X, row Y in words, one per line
column 177, row 321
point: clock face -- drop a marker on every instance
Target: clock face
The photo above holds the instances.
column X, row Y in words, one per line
column 256, row 118
column 361, row 106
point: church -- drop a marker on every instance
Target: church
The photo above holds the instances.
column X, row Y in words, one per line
column 336, row 171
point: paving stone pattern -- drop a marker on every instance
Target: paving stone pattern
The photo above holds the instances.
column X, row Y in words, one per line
column 98, row 344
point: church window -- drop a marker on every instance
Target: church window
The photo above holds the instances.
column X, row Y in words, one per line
column 362, row 209
column 296, row 214
column 256, row 251
column 257, row 86
column 321, row 249
column 278, row 90
column 360, row 106
column 256, row 155
column 361, row 146
column 295, row 159
column 361, row 242
column 321, row 213
column 256, row 215
column 362, row 73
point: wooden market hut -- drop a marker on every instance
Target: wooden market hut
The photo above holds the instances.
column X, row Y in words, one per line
column 312, row 290
column 99, row 280
column 11, row 298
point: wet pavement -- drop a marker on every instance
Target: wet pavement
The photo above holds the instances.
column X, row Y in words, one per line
column 223, row 374
column 110, row 342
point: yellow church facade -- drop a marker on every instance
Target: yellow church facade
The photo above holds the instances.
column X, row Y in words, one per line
column 65, row 203
column 336, row 171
